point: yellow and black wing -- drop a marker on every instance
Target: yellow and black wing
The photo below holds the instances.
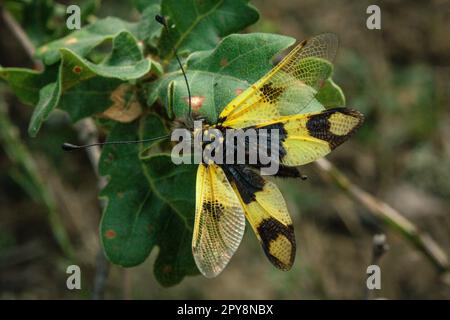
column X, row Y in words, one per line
column 307, row 137
column 288, row 89
column 219, row 221
column 267, row 213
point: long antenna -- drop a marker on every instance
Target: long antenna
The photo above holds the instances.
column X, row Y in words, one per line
column 162, row 20
column 72, row 147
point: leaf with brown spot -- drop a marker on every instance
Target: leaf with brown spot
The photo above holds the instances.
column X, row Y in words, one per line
column 83, row 88
column 83, row 41
column 239, row 91
column 110, row 234
column 71, row 40
column 125, row 107
column 175, row 185
column 77, row 69
column 196, row 102
column 199, row 25
column 145, row 213
column 236, row 62
column 223, row 62
column 131, row 204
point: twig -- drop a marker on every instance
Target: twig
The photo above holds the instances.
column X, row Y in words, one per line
column 101, row 275
column 88, row 134
column 422, row 241
column 21, row 36
column 379, row 248
column 126, row 284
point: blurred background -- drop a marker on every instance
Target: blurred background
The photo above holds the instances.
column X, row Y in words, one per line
column 399, row 77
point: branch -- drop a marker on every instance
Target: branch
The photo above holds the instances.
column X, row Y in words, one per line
column 88, row 134
column 21, row 36
column 379, row 248
column 101, row 275
column 421, row 240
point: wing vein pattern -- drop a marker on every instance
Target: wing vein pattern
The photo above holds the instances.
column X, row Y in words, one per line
column 219, row 221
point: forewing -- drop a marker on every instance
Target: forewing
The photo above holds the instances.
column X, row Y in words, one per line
column 289, row 88
column 219, row 221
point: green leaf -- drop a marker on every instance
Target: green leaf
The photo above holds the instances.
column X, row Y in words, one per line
column 175, row 186
column 324, row 72
column 218, row 75
column 175, row 260
column 85, row 88
column 81, row 42
column 150, row 201
column 27, row 83
column 148, row 29
column 93, row 96
column 199, row 25
column 130, row 225
column 48, row 100
column 244, row 56
column 331, row 95
column 141, row 5
column 125, row 62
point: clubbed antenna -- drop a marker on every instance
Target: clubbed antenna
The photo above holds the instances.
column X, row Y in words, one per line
column 162, row 20
column 72, row 147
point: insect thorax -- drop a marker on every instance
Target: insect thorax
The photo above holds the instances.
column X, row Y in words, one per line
column 249, row 146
